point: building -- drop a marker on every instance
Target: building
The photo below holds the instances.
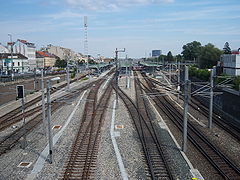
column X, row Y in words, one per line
column 156, row 53
column 3, row 49
column 61, row 52
column 15, row 61
column 27, row 49
column 231, row 64
column 45, row 59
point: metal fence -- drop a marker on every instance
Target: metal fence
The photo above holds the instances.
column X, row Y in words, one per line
column 5, row 79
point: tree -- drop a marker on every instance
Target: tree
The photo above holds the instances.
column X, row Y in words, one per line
column 227, row 49
column 178, row 57
column 60, row 63
column 170, row 57
column 209, row 56
column 191, row 50
column 162, row 57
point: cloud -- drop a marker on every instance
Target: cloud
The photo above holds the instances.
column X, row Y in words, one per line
column 64, row 14
column 110, row 4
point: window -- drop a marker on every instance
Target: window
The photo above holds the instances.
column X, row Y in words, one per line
column 13, row 64
column 18, row 63
column 5, row 64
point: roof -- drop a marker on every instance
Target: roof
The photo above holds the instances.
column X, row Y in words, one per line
column 7, row 55
column 27, row 43
column 41, row 54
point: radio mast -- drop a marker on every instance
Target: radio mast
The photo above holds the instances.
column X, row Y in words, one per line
column 86, row 38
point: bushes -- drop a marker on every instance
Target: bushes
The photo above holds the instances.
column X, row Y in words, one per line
column 73, row 74
column 236, row 83
column 202, row 74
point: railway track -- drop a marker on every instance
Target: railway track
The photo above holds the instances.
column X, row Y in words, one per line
column 9, row 141
column 156, row 161
column 226, row 125
column 217, row 159
column 15, row 115
column 81, row 162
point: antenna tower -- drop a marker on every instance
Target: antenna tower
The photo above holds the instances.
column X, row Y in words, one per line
column 86, row 38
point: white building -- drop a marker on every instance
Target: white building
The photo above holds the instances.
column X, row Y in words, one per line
column 3, row 49
column 17, row 62
column 231, row 64
column 27, row 49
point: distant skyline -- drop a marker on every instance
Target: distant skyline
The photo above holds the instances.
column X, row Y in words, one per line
column 140, row 26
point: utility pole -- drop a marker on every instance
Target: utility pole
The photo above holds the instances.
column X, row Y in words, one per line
column 49, row 123
column 211, row 101
column 116, row 62
column 170, row 71
column 127, row 80
column 68, row 79
column 43, row 104
column 178, row 86
column 34, row 82
column 185, row 116
column 10, row 36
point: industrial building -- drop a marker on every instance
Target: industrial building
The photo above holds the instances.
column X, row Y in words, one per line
column 231, row 64
column 156, row 53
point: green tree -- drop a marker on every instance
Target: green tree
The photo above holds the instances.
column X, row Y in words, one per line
column 170, row 57
column 178, row 57
column 227, row 49
column 60, row 63
column 162, row 57
column 209, row 56
column 191, row 50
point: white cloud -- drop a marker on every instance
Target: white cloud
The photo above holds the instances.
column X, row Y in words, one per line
column 110, row 4
column 65, row 14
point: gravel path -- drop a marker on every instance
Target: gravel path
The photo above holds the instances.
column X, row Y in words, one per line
column 128, row 144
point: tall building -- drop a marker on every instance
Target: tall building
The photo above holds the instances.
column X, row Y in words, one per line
column 25, row 48
column 156, row 53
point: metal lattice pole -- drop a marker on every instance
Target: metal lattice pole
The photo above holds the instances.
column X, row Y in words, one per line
column 211, row 101
column 185, row 116
column 49, row 123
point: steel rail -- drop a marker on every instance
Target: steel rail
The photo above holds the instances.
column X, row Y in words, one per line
column 219, row 161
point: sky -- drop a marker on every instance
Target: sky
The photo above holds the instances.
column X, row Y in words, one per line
column 137, row 25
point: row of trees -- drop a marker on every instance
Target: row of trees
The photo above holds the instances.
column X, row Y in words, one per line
column 205, row 56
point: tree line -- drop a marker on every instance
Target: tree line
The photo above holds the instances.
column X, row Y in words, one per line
column 205, row 56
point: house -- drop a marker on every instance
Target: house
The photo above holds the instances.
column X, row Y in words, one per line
column 16, row 62
column 25, row 48
column 45, row 59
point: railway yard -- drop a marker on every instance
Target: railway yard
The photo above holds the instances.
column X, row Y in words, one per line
column 103, row 128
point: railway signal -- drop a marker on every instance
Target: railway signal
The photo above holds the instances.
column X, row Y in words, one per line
column 20, row 91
